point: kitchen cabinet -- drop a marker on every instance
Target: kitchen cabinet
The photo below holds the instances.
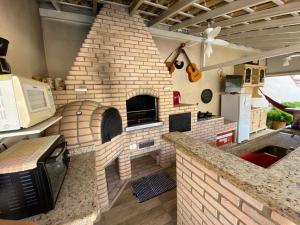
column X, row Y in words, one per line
column 258, row 119
column 253, row 75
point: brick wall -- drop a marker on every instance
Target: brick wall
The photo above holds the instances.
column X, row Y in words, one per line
column 119, row 60
column 205, row 198
column 133, row 67
column 105, row 154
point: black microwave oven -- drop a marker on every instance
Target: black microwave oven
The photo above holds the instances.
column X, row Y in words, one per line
column 30, row 192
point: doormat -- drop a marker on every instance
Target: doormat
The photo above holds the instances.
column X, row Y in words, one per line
column 151, row 186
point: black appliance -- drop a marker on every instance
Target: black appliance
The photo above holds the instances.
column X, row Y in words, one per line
column 141, row 109
column 4, row 66
column 180, row 122
column 205, row 115
column 30, row 192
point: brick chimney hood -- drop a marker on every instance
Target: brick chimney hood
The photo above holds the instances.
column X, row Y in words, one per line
column 117, row 61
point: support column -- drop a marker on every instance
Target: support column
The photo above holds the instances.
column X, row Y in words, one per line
column 102, row 189
column 124, row 165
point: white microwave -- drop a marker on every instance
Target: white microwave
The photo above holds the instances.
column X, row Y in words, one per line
column 23, row 102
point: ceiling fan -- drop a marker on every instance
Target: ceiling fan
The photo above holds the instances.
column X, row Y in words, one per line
column 209, row 36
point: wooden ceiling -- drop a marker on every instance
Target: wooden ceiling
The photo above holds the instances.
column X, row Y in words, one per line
column 262, row 24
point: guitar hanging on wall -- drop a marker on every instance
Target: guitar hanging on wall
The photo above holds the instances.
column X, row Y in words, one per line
column 194, row 74
column 171, row 65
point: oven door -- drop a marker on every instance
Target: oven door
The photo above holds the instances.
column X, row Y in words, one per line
column 56, row 166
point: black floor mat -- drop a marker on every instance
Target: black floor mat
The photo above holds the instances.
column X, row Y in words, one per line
column 151, row 186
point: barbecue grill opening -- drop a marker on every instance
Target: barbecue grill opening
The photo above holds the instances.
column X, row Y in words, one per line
column 141, row 109
column 111, row 124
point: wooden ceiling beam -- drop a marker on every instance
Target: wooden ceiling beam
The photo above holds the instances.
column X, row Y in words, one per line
column 159, row 6
column 278, row 2
column 202, row 7
column 173, row 10
column 134, row 6
column 275, row 37
column 266, row 42
column 256, row 56
column 55, row 5
column 228, row 8
column 261, row 25
column 271, row 46
column 95, row 7
column 275, row 11
column 286, row 73
column 267, row 32
column 156, row 15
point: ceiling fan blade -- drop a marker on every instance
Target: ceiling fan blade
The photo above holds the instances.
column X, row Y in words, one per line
column 214, row 33
column 220, row 42
column 208, row 50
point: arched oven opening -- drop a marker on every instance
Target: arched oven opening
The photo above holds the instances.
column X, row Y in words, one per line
column 111, row 125
column 141, row 109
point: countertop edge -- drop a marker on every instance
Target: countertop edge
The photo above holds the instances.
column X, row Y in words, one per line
column 242, row 185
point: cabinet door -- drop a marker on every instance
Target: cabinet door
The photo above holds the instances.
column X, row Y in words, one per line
column 262, row 75
column 248, row 76
column 263, row 117
column 256, row 119
column 255, row 75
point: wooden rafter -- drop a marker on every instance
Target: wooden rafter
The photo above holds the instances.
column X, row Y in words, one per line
column 228, row 8
column 257, row 56
column 276, row 11
column 286, row 37
column 278, row 31
column 262, row 25
column 246, row 21
column 55, row 5
column 159, row 6
column 135, row 5
column 275, row 43
column 95, row 7
column 174, row 9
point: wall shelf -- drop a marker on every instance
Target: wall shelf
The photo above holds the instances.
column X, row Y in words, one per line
column 36, row 129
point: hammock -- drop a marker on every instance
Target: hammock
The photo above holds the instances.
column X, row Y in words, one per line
column 274, row 103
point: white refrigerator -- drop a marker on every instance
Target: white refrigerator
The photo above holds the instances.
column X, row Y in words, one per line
column 237, row 107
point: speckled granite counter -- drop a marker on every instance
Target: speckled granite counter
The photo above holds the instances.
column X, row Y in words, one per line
column 277, row 186
column 76, row 203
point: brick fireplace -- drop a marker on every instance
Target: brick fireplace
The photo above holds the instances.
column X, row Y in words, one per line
column 116, row 70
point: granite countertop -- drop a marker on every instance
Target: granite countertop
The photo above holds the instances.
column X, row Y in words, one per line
column 76, row 203
column 25, row 154
column 277, row 186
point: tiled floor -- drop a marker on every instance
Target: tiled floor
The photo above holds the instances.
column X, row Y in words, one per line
column 143, row 166
column 160, row 210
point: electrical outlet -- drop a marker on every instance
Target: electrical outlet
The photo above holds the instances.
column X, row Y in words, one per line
column 133, row 146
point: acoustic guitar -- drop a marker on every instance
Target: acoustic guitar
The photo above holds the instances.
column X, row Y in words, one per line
column 171, row 65
column 194, row 73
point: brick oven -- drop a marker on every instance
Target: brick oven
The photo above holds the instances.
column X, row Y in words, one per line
column 141, row 109
column 119, row 99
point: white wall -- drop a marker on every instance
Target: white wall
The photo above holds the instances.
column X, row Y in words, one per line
column 62, row 40
column 191, row 92
column 20, row 24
